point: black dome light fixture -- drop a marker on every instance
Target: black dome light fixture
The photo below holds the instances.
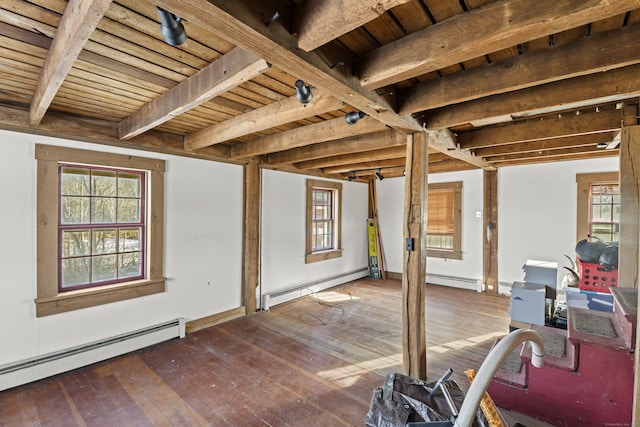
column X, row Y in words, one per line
column 352, row 117
column 303, row 92
column 172, row 28
column 352, row 178
column 379, row 175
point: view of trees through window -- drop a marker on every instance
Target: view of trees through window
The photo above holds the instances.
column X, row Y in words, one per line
column 604, row 219
column 322, row 221
column 101, row 226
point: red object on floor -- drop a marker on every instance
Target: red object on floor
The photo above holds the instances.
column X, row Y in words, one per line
column 591, row 385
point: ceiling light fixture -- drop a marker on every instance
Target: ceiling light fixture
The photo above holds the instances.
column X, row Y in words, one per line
column 353, row 117
column 303, row 92
column 352, row 178
column 379, row 175
column 172, row 28
column 602, row 145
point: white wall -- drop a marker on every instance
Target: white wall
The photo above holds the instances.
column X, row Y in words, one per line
column 203, row 258
column 537, row 213
column 203, row 248
column 390, row 212
column 284, row 233
column 536, row 217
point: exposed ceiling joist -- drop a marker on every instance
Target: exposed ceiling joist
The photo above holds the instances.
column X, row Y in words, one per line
column 358, row 143
column 566, row 125
column 347, row 160
column 563, row 152
column 311, row 134
column 392, row 162
column 495, row 26
column 606, row 87
column 588, row 55
column 444, row 142
column 78, row 22
column 286, row 111
column 228, row 71
column 588, row 140
column 319, row 21
column 102, row 132
column 238, row 24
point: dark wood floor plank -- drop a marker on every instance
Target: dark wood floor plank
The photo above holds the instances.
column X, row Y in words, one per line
column 310, row 362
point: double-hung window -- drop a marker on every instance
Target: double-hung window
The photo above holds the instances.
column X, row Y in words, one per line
column 598, row 206
column 323, row 220
column 102, row 226
column 444, row 220
column 99, row 228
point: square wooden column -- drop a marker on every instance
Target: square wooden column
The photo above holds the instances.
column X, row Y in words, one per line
column 629, row 254
column 490, row 233
column 414, row 353
column 629, row 206
column 251, row 234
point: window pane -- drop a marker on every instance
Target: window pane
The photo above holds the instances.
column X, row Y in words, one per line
column 104, row 268
column 76, row 243
column 128, row 184
column 75, row 271
column 128, row 210
column 103, row 210
column 104, row 241
column 75, row 210
column 75, row 181
column 129, row 240
column 130, row 265
column 104, row 183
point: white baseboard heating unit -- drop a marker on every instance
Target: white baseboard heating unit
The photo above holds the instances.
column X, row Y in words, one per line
column 281, row 295
column 46, row 365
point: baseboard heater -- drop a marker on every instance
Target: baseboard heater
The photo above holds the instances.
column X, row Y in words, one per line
column 286, row 294
column 50, row 364
column 455, row 282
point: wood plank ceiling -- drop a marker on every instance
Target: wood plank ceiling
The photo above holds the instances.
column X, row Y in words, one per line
column 494, row 83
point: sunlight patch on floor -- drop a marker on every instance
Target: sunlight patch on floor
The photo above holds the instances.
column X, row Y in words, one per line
column 468, row 342
column 346, row 376
column 331, row 296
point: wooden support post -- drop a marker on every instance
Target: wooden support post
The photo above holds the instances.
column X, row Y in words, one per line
column 629, row 207
column 490, row 233
column 414, row 353
column 629, row 254
column 251, row 234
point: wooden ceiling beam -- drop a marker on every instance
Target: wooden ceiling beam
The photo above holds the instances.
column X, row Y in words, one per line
column 226, row 72
column 530, row 130
column 445, row 142
column 495, row 26
column 239, row 23
column 594, row 54
column 370, row 165
column 451, row 165
column 559, row 158
column 317, row 22
column 306, row 135
column 388, row 172
column 279, row 113
column 597, row 89
column 76, row 26
column 549, row 154
column 592, row 139
column 102, row 132
column 359, row 143
column 346, row 160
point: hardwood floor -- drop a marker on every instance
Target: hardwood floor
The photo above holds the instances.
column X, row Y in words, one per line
column 311, row 362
